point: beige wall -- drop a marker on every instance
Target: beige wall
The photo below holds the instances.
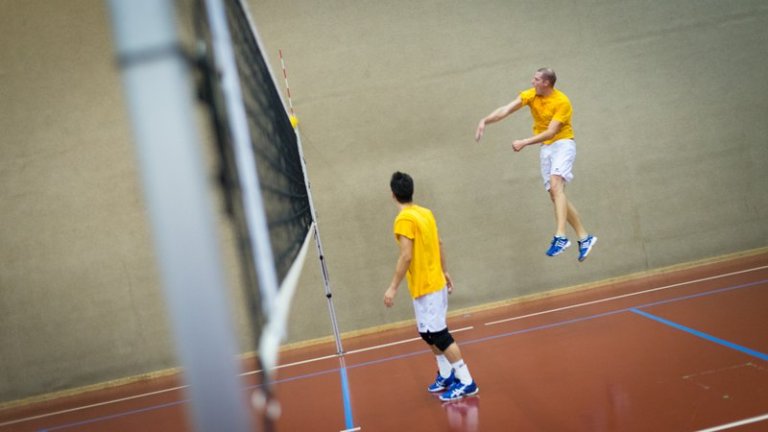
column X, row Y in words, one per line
column 668, row 100
column 669, row 106
column 77, row 274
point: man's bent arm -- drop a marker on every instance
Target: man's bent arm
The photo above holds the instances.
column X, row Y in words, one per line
column 403, row 262
column 448, row 280
column 552, row 130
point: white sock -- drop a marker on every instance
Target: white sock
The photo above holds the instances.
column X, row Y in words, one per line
column 443, row 365
column 462, row 372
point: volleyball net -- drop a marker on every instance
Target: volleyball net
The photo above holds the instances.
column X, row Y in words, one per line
column 262, row 171
column 270, row 135
column 262, row 178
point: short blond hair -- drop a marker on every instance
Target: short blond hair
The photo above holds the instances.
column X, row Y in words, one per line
column 549, row 75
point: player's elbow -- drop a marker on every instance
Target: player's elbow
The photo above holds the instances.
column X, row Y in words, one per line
column 552, row 130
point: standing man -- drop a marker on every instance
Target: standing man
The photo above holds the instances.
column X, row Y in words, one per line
column 421, row 258
column 551, row 111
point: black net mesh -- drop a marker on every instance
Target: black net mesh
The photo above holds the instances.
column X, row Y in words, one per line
column 276, row 157
column 273, row 141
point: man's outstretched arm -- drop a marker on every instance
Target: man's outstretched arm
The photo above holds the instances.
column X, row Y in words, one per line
column 498, row 114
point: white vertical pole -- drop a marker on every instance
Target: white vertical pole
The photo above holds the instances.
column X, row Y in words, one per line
column 320, row 253
column 316, row 234
column 157, row 87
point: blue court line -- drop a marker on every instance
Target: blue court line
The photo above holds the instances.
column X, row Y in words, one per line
column 345, row 393
column 355, row 366
column 526, row 330
column 702, row 335
column 703, row 294
column 349, row 422
column 543, row 327
column 474, row 341
column 102, row 418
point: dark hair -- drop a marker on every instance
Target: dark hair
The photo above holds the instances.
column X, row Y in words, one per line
column 549, row 75
column 402, row 187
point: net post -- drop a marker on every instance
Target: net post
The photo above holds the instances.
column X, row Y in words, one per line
column 155, row 79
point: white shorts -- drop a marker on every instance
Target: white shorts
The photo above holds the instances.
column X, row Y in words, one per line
column 557, row 159
column 430, row 311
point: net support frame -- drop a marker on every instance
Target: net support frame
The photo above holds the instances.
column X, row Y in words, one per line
column 321, row 254
column 253, row 204
column 156, row 81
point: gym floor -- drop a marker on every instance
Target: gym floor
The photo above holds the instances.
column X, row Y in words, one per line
column 683, row 350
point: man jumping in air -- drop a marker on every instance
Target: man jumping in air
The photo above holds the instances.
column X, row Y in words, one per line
column 551, row 111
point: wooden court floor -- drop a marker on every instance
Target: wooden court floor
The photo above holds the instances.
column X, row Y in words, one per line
column 683, row 350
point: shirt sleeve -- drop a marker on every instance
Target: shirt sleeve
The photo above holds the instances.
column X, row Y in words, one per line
column 405, row 227
column 527, row 95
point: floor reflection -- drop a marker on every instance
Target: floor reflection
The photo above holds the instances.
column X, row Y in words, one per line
column 463, row 414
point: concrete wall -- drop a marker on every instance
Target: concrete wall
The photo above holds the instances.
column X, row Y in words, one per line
column 79, row 301
column 669, row 102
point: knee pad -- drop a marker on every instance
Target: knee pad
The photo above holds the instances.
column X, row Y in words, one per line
column 442, row 339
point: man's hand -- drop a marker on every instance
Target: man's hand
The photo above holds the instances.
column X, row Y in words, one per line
column 480, row 130
column 389, row 296
column 518, row 145
column 448, row 282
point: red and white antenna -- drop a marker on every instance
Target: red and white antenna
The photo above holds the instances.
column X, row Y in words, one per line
column 291, row 116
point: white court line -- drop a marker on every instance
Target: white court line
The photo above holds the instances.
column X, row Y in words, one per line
column 386, row 345
column 95, row 405
column 402, row 342
column 736, row 424
column 312, row 360
column 139, row 396
column 371, row 348
column 624, row 296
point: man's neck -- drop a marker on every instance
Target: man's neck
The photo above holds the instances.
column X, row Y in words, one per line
column 401, row 206
column 547, row 91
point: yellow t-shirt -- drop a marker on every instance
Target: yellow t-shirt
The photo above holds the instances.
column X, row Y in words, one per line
column 425, row 274
column 544, row 109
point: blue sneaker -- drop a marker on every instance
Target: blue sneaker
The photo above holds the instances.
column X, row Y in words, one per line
column 559, row 244
column 441, row 384
column 585, row 246
column 459, row 390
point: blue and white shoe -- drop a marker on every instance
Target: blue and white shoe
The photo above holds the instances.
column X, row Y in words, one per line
column 442, row 384
column 459, row 390
column 559, row 244
column 585, row 246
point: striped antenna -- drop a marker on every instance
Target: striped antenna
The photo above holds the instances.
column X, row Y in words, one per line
column 292, row 116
